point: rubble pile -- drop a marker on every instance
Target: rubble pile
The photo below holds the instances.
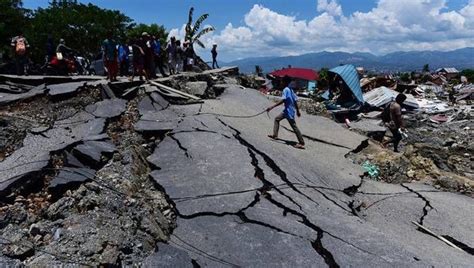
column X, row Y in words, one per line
column 313, row 107
column 438, row 149
column 74, row 176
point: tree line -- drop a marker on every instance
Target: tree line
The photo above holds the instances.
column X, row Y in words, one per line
column 83, row 26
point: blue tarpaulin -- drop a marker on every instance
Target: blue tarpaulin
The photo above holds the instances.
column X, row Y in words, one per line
column 349, row 74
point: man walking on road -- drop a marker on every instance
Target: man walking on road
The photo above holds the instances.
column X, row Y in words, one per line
column 394, row 120
column 290, row 99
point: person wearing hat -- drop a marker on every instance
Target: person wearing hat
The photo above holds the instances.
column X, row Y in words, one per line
column 214, row 56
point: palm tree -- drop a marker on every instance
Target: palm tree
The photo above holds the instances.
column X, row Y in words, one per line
column 192, row 31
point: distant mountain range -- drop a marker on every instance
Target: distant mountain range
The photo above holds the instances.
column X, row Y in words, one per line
column 393, row 62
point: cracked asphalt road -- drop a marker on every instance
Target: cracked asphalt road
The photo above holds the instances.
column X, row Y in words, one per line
column 245, row 200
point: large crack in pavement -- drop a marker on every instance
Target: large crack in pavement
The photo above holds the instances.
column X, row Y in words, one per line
column 316, row 244
column 426, row 208
column 180, row 146
column 270, row 163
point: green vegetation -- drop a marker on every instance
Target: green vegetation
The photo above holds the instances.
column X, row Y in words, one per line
column 82, row 26
column 192, row 31
column 426, row 68
column 469, row 74
column 153, row 29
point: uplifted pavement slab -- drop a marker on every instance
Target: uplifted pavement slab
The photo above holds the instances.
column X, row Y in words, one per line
column 70, row 176
column 92, row 151
column 64, row 89
column 157, row 121
column 7, row 98
column 35, row 153
column 107, row 108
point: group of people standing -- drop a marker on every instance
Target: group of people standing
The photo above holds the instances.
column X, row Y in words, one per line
column 148, row 54
column 180, row 57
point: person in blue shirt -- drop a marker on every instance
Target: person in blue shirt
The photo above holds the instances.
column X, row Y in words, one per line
column 123, row 58
column 290, row 100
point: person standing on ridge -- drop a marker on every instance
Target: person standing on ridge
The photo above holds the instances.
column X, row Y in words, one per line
column 158, row 55
column 109, row 50
column 171, row 50
column 20, row 48
column 138, row 50
column 179, row 57
column 214, row 56
column 290, row 100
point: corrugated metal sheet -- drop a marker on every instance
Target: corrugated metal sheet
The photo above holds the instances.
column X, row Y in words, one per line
column 349, row 74
column 448, row 70
column 381, row 96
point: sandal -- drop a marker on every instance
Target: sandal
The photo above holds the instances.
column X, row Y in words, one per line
column 299, row 146
column 273, row 137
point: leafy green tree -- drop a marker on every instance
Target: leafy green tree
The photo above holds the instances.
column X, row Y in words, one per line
column 13, row 18
column 469, row 74
column 426, row 68
column 82, row 26
column 323, row 82
column 192, row 30
column 405, row 77
column 156, row 30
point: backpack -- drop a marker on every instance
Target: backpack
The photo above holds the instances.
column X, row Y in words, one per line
column 20, row 47
column 386, row 114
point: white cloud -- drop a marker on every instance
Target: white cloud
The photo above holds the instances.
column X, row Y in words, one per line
column 330, row 6
column 389, row 26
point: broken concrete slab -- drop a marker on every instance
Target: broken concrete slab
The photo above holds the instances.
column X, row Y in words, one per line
column 159, row 100
column 68, row 177
column 370, row 128
column 147, row 105
column 168, row 256
column 157, row 121
column 7, row 98
column 64, row 89
column 91, row 151
column 152, row 103
column 72, row 161
column 36, row 80
column 34, row 156
column 39, row 130
column 107, row 92
column 107, row 108
column 196, row 88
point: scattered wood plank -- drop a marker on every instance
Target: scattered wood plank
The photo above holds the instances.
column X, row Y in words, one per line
column 437, row 236
column 172, row 90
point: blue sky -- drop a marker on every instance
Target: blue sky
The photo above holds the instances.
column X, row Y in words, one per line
column 173, row 13
column 311, row 22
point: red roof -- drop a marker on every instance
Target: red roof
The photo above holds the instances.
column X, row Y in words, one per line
column 300, row 73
